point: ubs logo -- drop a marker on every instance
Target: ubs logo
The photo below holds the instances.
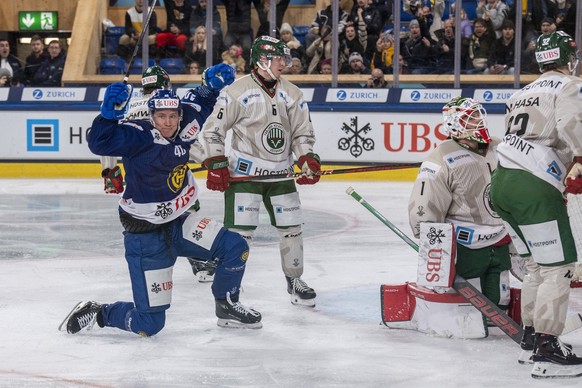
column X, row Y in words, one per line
column 37, row 94
column 341, row 95
column 415, row 95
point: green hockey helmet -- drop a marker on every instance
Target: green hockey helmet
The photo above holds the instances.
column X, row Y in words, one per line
column 557, row 49
column 265, row 47
column 154, row 78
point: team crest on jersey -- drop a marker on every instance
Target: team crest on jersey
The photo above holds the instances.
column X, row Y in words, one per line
column 487, row 201
column 177, row 177
column 274, row 138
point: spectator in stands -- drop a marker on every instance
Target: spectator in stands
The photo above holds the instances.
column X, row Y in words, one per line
column 377, row 80
column 492, row 11
column 353, row 41
column 197, row 47
column 51, row 69
column 177, row 28
column 403, row 66
column 286, row 35
column 421, row 12
column 320, row 49
column 10, row 62
column 263, row 13
column 5, row 78
column 382, row 55
column 38, row 53
column 446, row 48
column 501, row 59
column 133, row 28
column 419, row 51
column 233, row 56
column 238, row 24
column 325, row 67
column 480, row 45
column 324, row 18
column 198, row 18
column 364, row 11
column 295, row 68
column 548, row 26
column 568, row 21
column 194, row 68
column 466, row 24
column 356, row 65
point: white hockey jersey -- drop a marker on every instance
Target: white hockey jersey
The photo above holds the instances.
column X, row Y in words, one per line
column 544, row 127
column 453, row 186
column 267, row 127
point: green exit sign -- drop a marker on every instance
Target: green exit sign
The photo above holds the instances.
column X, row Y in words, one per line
column 38, row 20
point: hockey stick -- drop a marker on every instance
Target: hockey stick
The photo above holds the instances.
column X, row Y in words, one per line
column 462, row 286
column 139, row 41
column 393, row 166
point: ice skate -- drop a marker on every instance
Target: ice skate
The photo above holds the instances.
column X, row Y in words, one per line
column 83, row 315
column 552, row 359
column 301, row 293
column 527, row 345
column 236, row 315
column 203, row 269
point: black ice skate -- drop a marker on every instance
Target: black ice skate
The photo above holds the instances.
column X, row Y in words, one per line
column 203, row 269
column 301, row 293
column 552, row 358
column 236, row 315
column 83, row 315
column 527, row 345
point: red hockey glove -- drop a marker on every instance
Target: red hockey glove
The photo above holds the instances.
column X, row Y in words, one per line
column 113, row 180
column 573, row 180
column 309, row 165
column 218, row 176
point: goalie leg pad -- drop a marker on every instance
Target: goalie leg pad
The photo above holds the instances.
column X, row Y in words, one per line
column 414, row 307
column 436, row 255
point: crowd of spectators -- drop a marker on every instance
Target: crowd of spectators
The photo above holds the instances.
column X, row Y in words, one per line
column 366, row 36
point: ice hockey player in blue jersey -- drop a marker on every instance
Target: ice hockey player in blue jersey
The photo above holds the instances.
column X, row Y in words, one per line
column 154, row 210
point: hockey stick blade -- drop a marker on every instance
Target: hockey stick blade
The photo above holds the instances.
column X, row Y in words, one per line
column 393, row 166
column 497, row 316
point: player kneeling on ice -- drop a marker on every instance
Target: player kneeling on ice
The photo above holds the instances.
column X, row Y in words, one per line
column 154, row 212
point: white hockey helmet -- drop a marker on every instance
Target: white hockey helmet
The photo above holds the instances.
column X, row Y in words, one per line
column 465, row 118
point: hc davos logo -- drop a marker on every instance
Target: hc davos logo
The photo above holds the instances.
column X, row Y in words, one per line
column 487, row 95
column 341, row 95
column 37, row 94
column 415, row 95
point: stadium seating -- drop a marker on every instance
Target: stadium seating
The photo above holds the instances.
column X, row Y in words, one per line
column 137, row 66
column 173, row 65
column 112, row 35
column 299, row 32
column 113, row 65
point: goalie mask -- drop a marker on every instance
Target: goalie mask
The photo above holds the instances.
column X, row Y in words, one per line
column 464, row 118
column 154, row 78
column 265, row 49
column 555, row 50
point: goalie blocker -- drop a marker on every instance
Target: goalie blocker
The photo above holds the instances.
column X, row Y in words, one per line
column 430, row 305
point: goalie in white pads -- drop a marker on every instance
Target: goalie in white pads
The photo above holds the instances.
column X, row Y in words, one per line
column 453, row 187
column 540, row 158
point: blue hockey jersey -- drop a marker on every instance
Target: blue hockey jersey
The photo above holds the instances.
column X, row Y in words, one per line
column 159, row 184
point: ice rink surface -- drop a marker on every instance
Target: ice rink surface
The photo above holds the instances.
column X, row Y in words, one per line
column 61, row 242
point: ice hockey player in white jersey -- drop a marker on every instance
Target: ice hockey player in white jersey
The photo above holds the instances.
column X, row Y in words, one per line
column 152, row 79
column 270, row 124
column 540, row 158
column 453, row 187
